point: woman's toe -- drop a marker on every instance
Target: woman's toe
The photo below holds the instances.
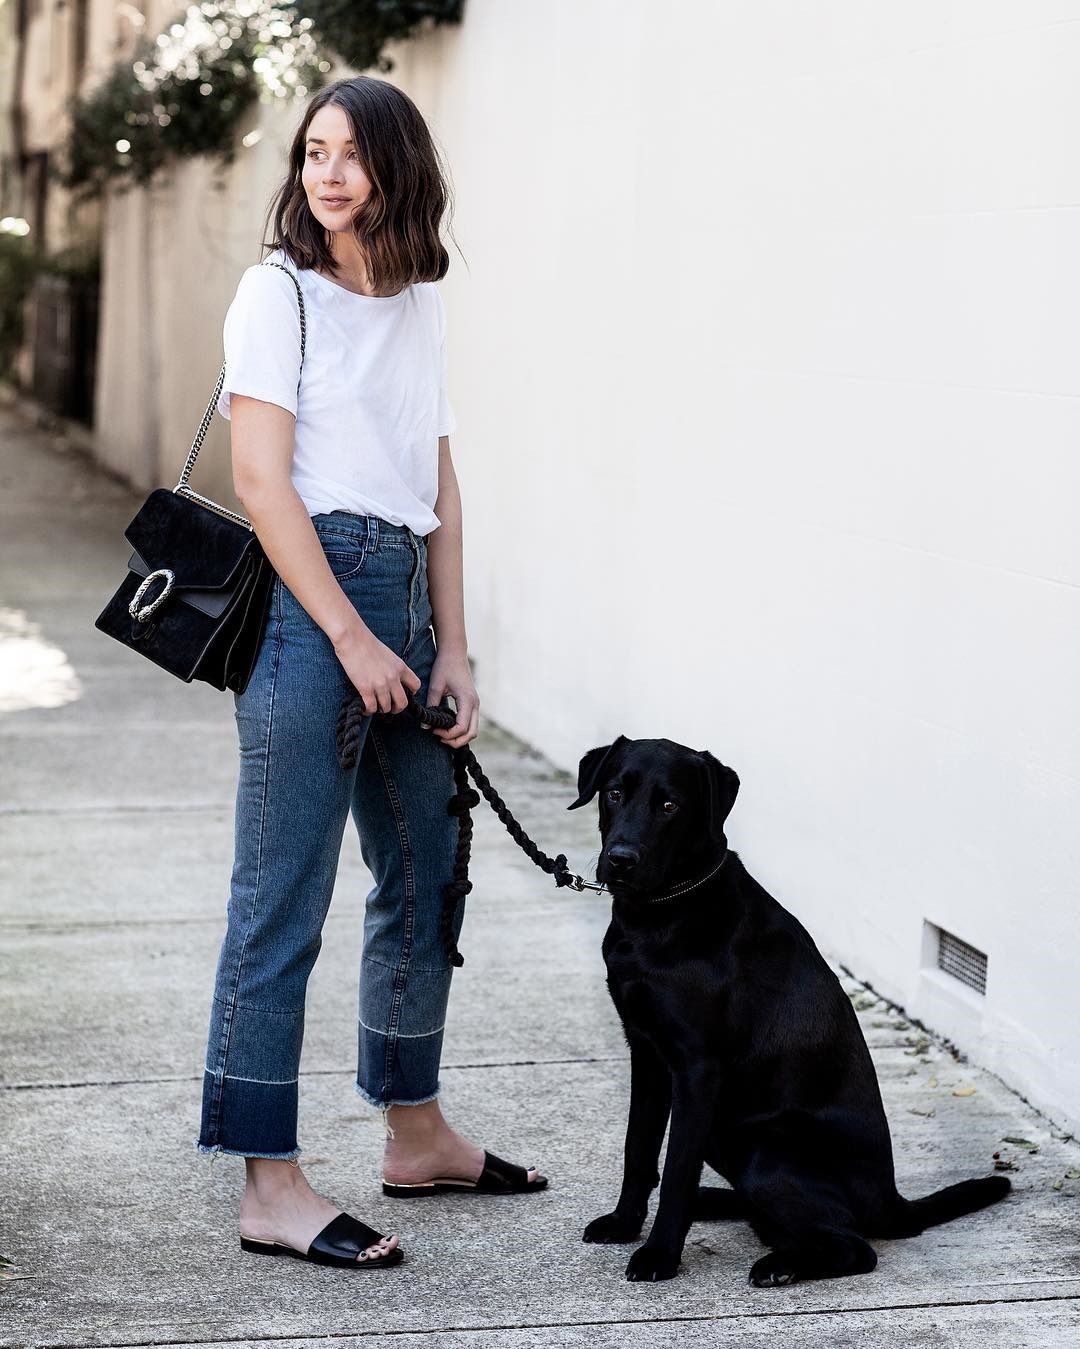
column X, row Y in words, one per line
column 386, row 1245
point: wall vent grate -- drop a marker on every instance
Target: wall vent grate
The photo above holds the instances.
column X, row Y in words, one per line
column 962, row 961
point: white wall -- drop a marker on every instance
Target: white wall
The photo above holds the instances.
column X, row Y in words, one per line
column 767, row 371
column 765, row 360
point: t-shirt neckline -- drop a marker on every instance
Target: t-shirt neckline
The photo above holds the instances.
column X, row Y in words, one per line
column 352, row 294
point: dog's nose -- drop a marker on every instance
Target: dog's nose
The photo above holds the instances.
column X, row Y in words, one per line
column 622, row 858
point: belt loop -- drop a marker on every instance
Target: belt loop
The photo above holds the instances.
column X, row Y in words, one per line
column 373, row 533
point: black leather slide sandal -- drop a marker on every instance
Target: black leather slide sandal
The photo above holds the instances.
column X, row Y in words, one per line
column 497, row 1177
column 339, row 1243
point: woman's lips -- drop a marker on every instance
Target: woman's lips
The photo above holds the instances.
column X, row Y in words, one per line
column 334, row 203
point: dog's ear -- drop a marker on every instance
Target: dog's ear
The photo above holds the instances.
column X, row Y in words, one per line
column 591, row 768
column 721, row 788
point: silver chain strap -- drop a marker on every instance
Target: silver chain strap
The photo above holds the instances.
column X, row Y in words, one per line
column 182, row 485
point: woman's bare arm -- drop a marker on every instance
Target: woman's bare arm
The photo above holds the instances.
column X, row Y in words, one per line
column 451, row 672
column 445, row 584
column 262, row 451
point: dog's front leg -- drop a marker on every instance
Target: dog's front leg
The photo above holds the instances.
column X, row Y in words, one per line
column 650, row 1105
column 694, row 1097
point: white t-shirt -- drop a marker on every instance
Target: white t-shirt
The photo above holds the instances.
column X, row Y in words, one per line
column 372, row 402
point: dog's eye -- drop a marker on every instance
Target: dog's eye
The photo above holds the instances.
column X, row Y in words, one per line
column 670, row 807
column 613, row 794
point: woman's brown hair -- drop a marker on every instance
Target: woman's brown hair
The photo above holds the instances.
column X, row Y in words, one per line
column 398, row 225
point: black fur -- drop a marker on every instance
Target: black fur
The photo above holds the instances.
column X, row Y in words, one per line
column 741, row 1033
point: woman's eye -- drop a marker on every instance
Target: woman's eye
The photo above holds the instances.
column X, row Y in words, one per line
column 614, row 794
column 670, row 807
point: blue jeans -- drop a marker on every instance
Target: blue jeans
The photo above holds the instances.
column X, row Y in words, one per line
column 291, row 806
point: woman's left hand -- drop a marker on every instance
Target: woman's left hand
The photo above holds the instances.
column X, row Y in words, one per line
column 450, row 674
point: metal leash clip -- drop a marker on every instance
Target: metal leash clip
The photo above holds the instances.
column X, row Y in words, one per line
column 580, row 883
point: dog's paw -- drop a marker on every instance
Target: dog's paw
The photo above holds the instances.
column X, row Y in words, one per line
column 649, row 1263
column 772, row 1271
column 612, row 1229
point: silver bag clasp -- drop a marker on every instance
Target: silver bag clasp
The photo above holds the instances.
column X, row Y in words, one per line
column 144, row 613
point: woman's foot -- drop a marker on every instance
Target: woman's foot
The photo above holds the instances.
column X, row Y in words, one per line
column 279, row 1205
column 423, row 1147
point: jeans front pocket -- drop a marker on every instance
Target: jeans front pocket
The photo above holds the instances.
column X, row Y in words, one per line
column 346, row 554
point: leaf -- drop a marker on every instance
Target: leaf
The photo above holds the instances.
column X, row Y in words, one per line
column 1020, row 1142
column 1072, row 1175
column 963, row 1091
column 1057, row 1185
column 933, row 1082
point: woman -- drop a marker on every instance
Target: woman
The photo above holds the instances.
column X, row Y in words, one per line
column 344, row 471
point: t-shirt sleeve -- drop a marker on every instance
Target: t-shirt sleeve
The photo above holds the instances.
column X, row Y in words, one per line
column 447, row 420
column 262, row 340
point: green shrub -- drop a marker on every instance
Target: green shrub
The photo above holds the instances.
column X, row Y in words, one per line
column 186, row 91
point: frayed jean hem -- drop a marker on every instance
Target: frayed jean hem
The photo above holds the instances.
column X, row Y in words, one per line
column 240, row 1152
column 385, row 1105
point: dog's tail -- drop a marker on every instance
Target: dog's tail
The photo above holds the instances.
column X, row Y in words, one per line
column 912, row 1216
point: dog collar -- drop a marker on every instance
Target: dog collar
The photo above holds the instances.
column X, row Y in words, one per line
column 687, row 886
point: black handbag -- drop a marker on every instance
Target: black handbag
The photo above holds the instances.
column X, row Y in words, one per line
column 196, row 595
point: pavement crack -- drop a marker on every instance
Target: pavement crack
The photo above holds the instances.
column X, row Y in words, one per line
column 102, row 924
column 703, row 1318
column 172, row 808
column 314, row 1072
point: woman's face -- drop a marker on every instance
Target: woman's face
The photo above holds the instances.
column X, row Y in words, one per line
column 335, row 184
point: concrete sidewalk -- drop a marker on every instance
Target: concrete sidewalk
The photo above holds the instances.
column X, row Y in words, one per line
column 115, row 849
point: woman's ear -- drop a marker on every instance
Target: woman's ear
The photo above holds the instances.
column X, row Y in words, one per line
column 594, row 764
column 721, row 789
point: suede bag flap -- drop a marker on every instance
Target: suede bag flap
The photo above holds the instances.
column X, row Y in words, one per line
column 207, row 560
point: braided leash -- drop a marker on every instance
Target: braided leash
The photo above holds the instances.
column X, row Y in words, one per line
column 349, row 736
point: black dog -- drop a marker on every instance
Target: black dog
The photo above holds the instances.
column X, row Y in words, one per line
column 740, row 1031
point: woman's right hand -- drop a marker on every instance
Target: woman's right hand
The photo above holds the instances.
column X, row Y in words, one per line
column 379, row 675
